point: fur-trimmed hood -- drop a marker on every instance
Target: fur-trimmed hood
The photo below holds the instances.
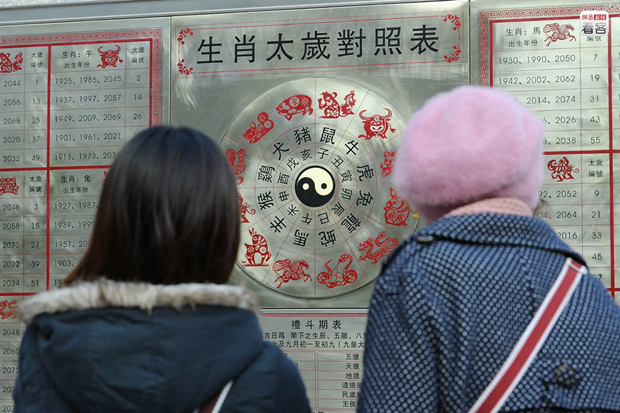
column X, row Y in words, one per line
column 133, row 347
column 106, row 293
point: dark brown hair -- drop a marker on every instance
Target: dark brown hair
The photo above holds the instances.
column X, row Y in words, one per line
column 168, row 213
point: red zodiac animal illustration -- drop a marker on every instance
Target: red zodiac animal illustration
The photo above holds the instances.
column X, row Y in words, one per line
column 9, row 186
column 376, row 126
column 332, row 109
column 562, row 169
column 237, row 162
column 259, row 246
column 6, row 66
column 291, row 270
column 555, row 32
column 396, row 210
column 11, row 307
column 384, row 247
column 255, row 132
column 109, row 57
column 386, row 165
column 294, row 105
column 245, row 209
column 334, row 278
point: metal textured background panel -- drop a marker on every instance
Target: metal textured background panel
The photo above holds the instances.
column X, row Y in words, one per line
column 231, row 71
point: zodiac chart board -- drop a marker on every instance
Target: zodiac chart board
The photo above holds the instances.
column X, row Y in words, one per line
column 313, row 159
column 563, row 63
column 68, row 103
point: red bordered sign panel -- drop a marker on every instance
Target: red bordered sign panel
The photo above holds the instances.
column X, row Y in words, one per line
column 563, row 63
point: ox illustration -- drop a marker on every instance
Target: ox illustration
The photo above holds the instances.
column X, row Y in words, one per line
column 376, row 126
column 109, row 57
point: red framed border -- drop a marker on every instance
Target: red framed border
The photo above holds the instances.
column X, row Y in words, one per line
column 488, row 17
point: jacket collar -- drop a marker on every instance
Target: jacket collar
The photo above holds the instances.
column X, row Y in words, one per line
column 511, row 206
column 105, row 293
column 496, row 229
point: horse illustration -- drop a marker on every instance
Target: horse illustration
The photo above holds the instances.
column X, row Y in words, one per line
column 555, row 32
column 291, row 270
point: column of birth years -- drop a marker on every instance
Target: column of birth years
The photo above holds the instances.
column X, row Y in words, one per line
column 100, row 98
column 565, row 83
column 23, row 147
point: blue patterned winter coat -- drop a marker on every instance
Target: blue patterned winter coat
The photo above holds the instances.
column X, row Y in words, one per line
column 453, row 300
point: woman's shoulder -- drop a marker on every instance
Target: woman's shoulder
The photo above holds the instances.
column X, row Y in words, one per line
column 450, row 238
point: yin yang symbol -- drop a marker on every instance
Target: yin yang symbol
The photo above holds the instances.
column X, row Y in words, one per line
column 315, row 186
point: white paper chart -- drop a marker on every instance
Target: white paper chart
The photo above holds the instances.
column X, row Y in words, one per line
column 328, row 349
column 563, row 63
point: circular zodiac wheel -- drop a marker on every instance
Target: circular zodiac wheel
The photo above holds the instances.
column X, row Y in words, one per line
column 312, row 159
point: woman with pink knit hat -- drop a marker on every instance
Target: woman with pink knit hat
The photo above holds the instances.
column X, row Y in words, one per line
column 486, row 309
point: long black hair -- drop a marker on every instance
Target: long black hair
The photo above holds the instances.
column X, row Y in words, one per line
column 168, row 213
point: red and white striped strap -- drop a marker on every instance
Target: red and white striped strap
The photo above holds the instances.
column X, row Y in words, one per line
column 531, row 340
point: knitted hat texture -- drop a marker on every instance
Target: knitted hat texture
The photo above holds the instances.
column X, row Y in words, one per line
column 466, row 145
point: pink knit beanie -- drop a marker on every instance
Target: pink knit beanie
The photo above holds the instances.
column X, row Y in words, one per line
column 466, row 145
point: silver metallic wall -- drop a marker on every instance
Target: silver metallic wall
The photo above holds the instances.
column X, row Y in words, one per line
column 299, row 117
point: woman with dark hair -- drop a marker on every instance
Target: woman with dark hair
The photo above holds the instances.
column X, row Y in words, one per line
column 143, row 322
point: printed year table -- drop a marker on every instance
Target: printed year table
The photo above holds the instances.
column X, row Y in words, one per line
column 567, row 71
